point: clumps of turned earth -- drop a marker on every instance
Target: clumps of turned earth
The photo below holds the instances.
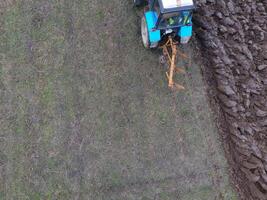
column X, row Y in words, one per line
column 233, row 35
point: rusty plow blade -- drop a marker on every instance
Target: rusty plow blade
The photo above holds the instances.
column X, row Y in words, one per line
column 170, row 52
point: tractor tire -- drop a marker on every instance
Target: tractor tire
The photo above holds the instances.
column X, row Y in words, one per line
column 144, row 33
column 138, row 2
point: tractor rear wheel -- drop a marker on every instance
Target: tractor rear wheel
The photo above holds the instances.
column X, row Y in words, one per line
column 138, row 2
column 145, row 35
column 144, row 32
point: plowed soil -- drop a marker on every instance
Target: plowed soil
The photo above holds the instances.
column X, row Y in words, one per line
column 233, row 39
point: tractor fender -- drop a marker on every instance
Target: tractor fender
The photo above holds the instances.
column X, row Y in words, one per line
column 185, row 33
column 151, row 19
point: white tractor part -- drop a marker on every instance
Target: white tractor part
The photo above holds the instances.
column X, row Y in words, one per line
column 185, row 40
column 176, row 3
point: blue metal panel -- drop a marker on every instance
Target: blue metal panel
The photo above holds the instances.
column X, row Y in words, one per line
column 151, row 18
column 185, row 31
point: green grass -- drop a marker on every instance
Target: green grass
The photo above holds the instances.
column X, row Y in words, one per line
column 100, row 16
column 200, row 193
column 88, row 113
column 47, row 95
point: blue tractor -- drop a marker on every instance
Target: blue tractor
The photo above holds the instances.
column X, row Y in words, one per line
column 165, row 18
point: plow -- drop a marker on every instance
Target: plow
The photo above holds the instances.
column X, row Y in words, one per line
column 171, row 53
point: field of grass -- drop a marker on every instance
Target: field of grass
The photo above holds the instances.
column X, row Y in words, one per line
column 86, row 112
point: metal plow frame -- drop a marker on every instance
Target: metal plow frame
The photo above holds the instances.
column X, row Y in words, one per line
column 170, row 52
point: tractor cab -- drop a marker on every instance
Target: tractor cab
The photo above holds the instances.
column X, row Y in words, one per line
column 167, row 17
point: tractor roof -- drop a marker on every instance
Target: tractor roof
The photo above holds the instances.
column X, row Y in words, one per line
column 175, row 5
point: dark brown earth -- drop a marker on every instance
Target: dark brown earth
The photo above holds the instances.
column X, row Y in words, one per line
column 233, row 41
